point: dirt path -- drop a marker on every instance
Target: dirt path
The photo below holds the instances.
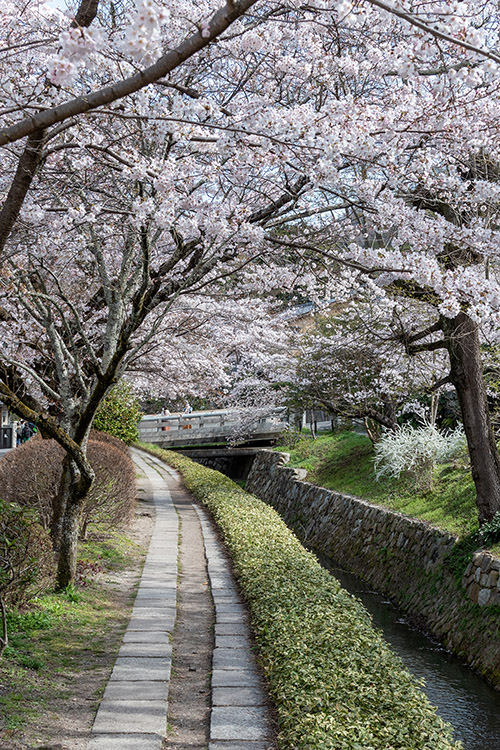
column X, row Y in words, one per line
column 189, row 694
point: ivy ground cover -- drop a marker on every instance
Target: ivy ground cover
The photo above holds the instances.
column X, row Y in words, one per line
column 335, row 683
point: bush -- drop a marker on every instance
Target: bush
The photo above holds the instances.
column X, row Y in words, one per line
column 119, row 414
column 335, row 682
column 26, row 560
column 30, row 476
column 416, row 450
column 489, row 534
column 111, row 499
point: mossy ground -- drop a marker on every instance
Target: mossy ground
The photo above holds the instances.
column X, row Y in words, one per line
column 344, row 462
column 61, row 636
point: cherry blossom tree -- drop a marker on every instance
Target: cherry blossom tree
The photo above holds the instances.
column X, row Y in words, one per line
column 182, row 159
column 350, row 365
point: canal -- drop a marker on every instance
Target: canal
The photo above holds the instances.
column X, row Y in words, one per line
column 461, row 697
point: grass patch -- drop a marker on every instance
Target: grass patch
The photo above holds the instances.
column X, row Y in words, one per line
column 335, row 683
column 60, row 635
column 344, row 463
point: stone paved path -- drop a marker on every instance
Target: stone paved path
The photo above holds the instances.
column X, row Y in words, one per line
column 133, row 712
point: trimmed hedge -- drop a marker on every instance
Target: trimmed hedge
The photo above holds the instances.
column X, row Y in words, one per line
column 335, row 683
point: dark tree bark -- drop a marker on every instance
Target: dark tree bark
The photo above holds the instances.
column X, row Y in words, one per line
column 73, row 490
column 466, row 374
column 4, row 636
column 60, row 503
column 26, row 170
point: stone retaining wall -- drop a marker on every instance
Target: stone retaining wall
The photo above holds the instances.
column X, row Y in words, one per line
column 401, row 557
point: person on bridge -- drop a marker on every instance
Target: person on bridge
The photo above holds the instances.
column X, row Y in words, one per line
column 187, row 408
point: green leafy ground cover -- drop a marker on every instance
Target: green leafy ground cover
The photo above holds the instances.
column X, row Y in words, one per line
column 58, row 636
column 335, row 683
column 344, row 462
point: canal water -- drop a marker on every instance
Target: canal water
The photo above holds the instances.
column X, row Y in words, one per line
column 461, row 697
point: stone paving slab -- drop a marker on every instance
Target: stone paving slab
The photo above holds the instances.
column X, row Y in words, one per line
column 232, row 641
column 238, row 723
column 133, row 712
column 149, row 690
column 156, row 594
column 228, row 606
column 231, row 628
column 235, row 678
column 141, row 668
column 137, row 622
column 240, row 717
column 233, row 658
column 146, row 636
column 146, row 649
column 131, row 717
column 229, row 617
column 146, row 610
column 126, row 742
column 238, row 696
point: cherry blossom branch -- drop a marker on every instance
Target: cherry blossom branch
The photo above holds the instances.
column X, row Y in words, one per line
column 220, row 21
column 437, row 33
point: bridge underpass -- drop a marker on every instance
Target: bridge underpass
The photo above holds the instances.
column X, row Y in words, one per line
column 233, row 462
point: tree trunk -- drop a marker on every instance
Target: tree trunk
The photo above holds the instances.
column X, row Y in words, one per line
column 466, row 374
column 60, row 500
column 4, row 637
column 73, row 489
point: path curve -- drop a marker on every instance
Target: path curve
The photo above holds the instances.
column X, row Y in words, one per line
column 133, row 712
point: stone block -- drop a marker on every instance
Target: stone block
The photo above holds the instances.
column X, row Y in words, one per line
column 146, row 636
column 231, row 628
column 232, row 641
column 125, row 742
column 146, row 690
column 237, row 723
column 483, row 597
column 152, row 622
column 234, row 678
column 131, row 717
column 238, row 696
column 141, row 668
column 146, row 649
column 232, row 658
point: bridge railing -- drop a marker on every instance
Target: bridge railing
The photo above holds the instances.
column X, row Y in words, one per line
column 201, row 425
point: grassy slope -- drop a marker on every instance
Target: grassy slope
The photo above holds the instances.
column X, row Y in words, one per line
column 344, row 463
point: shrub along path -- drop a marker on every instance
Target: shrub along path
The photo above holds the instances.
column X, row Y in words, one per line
column 133, row 712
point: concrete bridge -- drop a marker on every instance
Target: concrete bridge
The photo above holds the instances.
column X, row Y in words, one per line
column 209, row 428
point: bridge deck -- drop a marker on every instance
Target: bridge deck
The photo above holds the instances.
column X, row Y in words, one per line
column 203, row 427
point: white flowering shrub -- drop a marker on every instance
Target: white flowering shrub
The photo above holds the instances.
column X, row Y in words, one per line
column 416, row 450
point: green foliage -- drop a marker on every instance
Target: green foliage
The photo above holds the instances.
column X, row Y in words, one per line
column 335, row 683
column 490, row 532
column 344, row 463
column 119, row 414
